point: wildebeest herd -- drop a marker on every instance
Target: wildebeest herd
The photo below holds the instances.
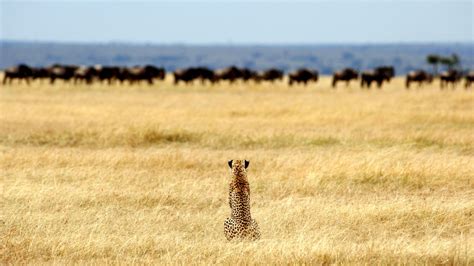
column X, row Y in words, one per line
column 150, row 73
column 83, row 74
column 446, row 77
column 230, row 74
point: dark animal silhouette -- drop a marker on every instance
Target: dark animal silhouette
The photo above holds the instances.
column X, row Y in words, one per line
column 377, row 75
column 107, row 73
column 139, row 73
column 450, row 76
column 20, row 72
column 39, row 73
column 186, row 75
column 230, row 74
column 63, row 72
column 469, row 79
column 419, row 76
column 248, row 74
column 346, row 74
column 234, row 73
column 85, row 74
column 205, row 73
column 190, row 74
column 152, row 72
column 389, row 72
column 303, row 75
column 271, row 74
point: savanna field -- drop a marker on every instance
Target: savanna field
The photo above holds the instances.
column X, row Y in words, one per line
column 138, row 174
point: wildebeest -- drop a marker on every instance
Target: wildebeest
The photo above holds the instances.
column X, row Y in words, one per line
column 419, row 76
column 469, row 79
column 151, row 72
column 64, row 72
column 85, row 74
column 346, row 74
column 205, row 73
column 19, row 72
column 234, row 73
column 231, row 74
column 186, row 75
column 378, row 75
column 107, row 73
column 39, row 73
column 303, row 75
column 248, row 74
column 389, row 72
column 271, row 74
column 189, row 74
column 139, row 73
column 450, row 76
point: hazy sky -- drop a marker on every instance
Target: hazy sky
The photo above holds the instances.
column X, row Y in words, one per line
column 231, row 22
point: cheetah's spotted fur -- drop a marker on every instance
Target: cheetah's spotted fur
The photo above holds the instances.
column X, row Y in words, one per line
column 240, row 223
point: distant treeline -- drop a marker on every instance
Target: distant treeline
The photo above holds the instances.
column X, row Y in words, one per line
column 325, row 58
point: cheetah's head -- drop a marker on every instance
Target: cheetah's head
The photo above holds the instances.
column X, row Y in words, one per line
column 238, row 166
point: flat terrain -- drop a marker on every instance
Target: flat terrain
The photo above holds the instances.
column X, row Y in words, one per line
column 128, row 174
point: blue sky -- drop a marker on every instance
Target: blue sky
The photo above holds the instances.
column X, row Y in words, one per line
column 230, row 22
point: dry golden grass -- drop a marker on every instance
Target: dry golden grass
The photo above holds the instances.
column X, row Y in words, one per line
column 138, row 174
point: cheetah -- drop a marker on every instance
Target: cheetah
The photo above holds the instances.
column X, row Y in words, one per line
column 240, row 223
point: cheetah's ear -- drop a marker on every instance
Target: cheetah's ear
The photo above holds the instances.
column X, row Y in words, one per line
column 246, row 164
column 230, row 163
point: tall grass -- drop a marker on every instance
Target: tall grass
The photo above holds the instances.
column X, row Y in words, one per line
column 137, row 174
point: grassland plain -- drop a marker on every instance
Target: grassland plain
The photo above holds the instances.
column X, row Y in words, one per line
column 138, row 174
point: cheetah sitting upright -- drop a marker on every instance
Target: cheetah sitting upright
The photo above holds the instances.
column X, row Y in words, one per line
column 240, row 223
